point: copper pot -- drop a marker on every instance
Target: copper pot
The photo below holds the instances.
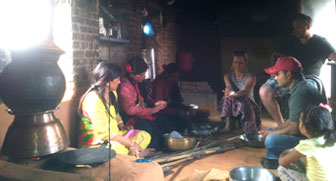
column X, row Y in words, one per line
column 34, row 135
column 33, row 81
column 33, row 85
column 179, row 144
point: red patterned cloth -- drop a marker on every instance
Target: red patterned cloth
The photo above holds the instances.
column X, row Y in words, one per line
column 169, row 93
column 132, row 103
column 161, row 89
column 244, row 107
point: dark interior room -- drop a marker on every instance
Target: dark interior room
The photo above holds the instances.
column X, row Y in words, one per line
column 49, row 51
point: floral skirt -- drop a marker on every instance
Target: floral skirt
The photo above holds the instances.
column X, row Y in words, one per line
column 296, row 171
column 244, row 108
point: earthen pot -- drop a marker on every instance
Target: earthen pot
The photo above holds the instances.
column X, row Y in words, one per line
column 33, row 82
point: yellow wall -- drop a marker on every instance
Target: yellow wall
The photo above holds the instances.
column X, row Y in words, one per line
column 5, row 120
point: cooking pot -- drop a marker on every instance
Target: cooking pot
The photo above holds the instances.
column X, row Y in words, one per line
column 252, row 140
column 33, row 82
column 179, row 144
column 251, row 174
column 34, row 135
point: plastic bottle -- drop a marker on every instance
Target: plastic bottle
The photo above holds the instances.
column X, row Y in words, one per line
column 102, row 30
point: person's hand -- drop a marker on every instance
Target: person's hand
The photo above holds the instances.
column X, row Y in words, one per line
column 121, row 125
column 230, row 94
column 226, row 92
column 264, row 133
column 135, row 149
column 159, row 105
column 233, row 95
column 162, row 104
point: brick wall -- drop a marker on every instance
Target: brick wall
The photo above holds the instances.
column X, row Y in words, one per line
column 167, row 43
column 88, row 49
column 85, row 45
column 76, row 31
column 164, row 40
column 134, row 32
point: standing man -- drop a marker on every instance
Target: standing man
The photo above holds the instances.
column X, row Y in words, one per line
column 311, row 50
column 288, row 74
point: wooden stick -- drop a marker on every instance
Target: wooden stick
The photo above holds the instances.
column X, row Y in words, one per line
column 201, row 153
column 195, row 149
column 176, row 162
column 198, row 142
column 187, row 151
column 195, row 154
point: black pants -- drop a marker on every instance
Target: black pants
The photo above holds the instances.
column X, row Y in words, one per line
column 178, row 124
column 156, row 129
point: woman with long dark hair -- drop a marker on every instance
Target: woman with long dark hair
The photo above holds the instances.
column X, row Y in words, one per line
column 136, row 110
column 99, row 111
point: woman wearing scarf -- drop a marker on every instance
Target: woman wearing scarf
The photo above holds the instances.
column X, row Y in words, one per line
column 137, row 112
column 100, row 119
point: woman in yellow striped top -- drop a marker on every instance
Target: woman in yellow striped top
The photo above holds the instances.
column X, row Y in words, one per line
column 99, row 111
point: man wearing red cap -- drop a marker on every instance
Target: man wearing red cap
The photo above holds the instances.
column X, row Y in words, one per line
column 288, row 74
column 311, row 50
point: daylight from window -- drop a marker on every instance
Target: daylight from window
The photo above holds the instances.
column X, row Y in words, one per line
column 24, row 23
column 324, row 24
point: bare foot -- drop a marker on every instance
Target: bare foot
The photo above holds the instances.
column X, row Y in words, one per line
column 147, row 153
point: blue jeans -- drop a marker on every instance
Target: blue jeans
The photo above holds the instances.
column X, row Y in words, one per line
column 277, row 143
column 271, row 82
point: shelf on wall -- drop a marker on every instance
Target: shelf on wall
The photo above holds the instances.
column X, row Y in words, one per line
column 114, row 40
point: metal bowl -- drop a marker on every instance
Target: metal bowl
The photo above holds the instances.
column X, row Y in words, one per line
column 251, row 174
column 179, row 144
column 252, row 140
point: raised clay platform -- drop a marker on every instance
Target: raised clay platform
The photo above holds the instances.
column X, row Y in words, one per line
column 123, row 167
